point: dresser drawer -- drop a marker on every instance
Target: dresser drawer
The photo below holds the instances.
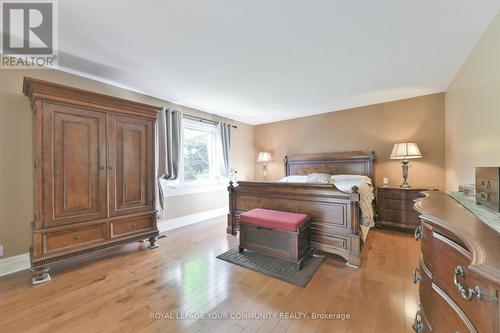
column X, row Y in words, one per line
column 401, row 216
column 424, row 233
column 398, row 204
column 130, row 226
column 74, row 238
column 446, row 316
column 401, row 194
column 448, row 257
column 420, row 323
column 423, row 277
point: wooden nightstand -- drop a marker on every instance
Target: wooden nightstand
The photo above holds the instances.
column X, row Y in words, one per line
column 395, row 206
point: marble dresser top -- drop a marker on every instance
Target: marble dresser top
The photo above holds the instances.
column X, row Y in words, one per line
column 488, row 216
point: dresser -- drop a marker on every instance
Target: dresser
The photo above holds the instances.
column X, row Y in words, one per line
column 458, row 274
column 93, row 173
column 395, row 206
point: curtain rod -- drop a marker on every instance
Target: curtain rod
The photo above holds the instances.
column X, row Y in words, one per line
column 203, row 120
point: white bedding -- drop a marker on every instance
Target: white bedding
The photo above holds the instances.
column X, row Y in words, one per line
column 345, row 183
column 294, row 179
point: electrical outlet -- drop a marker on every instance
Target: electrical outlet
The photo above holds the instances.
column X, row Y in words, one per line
column 386, row 181
column 1, row 250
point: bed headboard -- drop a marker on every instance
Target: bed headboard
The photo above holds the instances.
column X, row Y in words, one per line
column 347, row 163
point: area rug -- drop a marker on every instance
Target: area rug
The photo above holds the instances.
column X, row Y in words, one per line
column 274, row 267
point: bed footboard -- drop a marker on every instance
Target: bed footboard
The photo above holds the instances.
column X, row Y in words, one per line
column 335, row 214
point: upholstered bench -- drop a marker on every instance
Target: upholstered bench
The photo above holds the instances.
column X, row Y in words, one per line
column 278, row 234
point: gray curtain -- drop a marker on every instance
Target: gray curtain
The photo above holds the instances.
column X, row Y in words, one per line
column 224, row 142
column 169, row 150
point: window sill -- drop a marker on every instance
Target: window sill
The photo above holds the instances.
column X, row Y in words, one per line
column 191, row 189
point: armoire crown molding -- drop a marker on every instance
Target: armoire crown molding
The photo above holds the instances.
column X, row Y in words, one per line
column 41, row 90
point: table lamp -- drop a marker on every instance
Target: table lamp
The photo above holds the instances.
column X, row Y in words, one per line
column 265, row 158
column 405, row 151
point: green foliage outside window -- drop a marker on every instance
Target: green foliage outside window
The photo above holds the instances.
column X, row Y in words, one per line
column 196, row 156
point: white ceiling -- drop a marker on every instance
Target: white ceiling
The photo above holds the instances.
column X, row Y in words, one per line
column 262, row 61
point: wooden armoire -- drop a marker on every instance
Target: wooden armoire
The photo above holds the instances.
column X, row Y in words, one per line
column 93, row 173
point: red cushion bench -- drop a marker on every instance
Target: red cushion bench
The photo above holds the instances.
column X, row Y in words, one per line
column 275, row 233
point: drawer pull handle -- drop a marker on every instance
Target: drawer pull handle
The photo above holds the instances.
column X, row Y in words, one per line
column 416, row 276
column 134, row 225
column 418, row 233
column 76, row 237
column 418, row 326
column 466, row 294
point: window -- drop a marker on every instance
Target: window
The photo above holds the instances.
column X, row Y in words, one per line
column 198, row 154
column 198, row 148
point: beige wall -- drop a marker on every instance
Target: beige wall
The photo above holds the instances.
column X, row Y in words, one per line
column 16, row 149
column 370, row 128
column 473, row 111
column 195, row 203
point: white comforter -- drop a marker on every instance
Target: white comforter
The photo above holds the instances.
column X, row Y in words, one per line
column 345, row 183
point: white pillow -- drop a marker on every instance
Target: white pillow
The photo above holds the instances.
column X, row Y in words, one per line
column 319, row 178
column 294, row 179
column 350, row 179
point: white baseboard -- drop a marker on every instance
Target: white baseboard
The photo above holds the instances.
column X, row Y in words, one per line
column 14, row 264
column 169, row 224
column 21, row 262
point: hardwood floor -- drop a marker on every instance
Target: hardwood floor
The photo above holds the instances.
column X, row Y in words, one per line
column 121, row 291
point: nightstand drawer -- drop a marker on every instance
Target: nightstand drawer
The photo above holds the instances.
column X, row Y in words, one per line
column 395, row 207
column 398, row 204
column 401, row 194
column 401, row 216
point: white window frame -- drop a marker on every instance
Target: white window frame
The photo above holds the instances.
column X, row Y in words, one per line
column 179, row 186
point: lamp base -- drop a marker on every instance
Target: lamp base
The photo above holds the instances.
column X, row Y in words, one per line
column 404, row 165
column 405, row 185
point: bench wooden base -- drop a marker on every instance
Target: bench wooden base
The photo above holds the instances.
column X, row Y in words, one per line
column 292, row 246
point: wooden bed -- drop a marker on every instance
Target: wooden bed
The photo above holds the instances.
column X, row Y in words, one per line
column 335, row 214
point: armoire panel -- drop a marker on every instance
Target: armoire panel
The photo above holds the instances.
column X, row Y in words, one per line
column 131, row 165
column 73, row 160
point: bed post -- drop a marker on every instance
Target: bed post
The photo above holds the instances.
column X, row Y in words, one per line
column 374, row 202
column 354, row 258
column 231, row 216
column 285, row 162
column 355, row 194
column 355, row 209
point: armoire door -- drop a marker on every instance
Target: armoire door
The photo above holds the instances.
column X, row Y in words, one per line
column 130, row 164
column 73, row 165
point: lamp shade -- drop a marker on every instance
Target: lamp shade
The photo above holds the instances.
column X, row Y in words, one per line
column 405, row 151
column 264, row 156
